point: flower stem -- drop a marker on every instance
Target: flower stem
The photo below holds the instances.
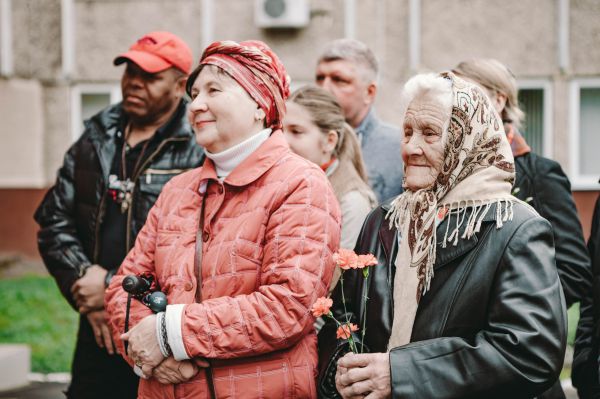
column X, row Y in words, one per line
column 344, row 297
column 351, row 342
column 364, row 318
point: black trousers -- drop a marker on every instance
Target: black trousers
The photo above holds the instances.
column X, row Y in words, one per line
column 95, row 373
column 556, row 392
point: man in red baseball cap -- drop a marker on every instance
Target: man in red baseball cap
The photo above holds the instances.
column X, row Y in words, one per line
column 153, row 82
column 109, row 180
column 158, row 51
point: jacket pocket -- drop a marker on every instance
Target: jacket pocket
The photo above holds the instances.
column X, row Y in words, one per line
column 167, row 238
column 270, row 378
column 152, row 181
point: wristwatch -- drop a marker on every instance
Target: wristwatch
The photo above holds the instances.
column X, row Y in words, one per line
column 109, row 276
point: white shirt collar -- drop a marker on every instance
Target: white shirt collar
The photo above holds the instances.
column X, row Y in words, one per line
column 226, row 161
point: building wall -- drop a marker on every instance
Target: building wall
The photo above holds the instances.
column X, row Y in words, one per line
column 39, row 108
column 18, row 229
column 36, row 39
column 105, row 28
column 584, row 37
column 450, row 31
column 21, row 162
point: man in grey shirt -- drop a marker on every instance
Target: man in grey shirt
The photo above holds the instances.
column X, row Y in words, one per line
column 348, row 69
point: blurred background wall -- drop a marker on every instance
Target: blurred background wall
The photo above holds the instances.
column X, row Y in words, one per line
column 56, row 69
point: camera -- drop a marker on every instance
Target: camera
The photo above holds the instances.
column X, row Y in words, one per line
column 144, row 288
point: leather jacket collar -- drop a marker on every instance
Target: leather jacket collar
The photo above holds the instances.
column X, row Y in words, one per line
column 388, row 237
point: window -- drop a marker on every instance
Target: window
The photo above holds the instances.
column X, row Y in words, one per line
column 88, row 100
column 585, row 139
column 534, row 100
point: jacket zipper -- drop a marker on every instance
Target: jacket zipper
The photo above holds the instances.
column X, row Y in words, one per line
column 149, row 172
column 99, row 216
column 134, row 179
column 163, row 171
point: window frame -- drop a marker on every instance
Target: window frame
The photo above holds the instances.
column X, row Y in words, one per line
column 579, row 181
column 546, row 86
column 77, row 91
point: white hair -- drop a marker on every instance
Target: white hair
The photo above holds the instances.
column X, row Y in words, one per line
column 429, row 84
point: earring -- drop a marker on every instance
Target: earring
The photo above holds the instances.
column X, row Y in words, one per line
column 259, row 115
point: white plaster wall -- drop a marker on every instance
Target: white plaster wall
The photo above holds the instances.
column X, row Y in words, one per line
column 104, row 29
column 585, row 37
column 21, row 134
column 520, row 33
column 36, row 38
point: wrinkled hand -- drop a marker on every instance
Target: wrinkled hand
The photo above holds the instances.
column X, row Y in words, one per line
column 88, row 291
column 102, row 335
column 364, row 376
column 143, row 345
column 171, row 371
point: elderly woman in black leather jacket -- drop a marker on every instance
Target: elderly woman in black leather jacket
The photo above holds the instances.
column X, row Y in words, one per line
column 465, row 300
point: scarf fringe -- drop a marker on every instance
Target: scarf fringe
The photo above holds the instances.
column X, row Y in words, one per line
column 504, row 212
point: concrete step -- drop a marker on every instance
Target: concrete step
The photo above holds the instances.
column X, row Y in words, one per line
column 15, row 364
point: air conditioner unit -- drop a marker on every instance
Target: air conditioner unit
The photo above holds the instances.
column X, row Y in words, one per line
column 281, row 13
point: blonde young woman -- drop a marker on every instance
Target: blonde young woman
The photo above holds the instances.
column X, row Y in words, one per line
column 315, row 128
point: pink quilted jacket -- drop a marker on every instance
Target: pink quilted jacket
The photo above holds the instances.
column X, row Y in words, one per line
column 270, row 232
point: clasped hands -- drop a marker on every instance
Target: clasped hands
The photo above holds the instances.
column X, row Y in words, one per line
column 88, row 290
column 144, row 351
column 365, row 375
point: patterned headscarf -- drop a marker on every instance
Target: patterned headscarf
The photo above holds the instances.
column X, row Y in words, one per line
column 258, row 70
column 478, row 171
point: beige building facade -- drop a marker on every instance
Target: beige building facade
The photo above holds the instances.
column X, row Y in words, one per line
column 56, row 69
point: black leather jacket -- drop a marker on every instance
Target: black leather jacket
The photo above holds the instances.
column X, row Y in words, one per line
column 542, row 183
column 587, row 340
column 493, row 324
column 70, row 214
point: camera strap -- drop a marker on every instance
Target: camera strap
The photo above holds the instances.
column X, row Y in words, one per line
column 199, row 240
column 127, row 320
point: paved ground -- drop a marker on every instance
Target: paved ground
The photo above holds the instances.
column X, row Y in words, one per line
column 37, row 390
column 50, row 390
column 14, row 265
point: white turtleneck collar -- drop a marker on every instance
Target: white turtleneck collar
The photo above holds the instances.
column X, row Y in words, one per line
column 228, row 160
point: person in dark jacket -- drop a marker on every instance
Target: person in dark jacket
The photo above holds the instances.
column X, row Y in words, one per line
column 465, row 300
column 585, row 375
column 541, row 182
column 109, row 180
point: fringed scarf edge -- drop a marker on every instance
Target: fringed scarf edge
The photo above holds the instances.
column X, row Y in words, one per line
column 399, row 212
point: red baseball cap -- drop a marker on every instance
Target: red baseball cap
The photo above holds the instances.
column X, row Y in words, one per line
column 157, row 51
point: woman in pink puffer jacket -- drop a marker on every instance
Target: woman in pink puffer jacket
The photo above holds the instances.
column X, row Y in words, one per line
column 240, row 287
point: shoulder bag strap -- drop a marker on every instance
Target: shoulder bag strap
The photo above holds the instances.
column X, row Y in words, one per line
column 200, row 236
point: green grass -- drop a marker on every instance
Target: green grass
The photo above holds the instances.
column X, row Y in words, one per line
column 33, row 312
column 573, row 318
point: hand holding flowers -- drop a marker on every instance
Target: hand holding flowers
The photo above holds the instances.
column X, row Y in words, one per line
column 346, row 259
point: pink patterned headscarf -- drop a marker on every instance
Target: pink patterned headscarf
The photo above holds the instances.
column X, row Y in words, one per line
column 256, row 68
